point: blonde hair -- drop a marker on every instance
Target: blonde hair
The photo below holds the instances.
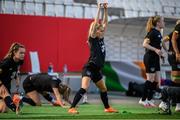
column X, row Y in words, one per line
column 90, row 29
column 152, row 22
column 14, row 48
column 92, row 25
column 177, row 22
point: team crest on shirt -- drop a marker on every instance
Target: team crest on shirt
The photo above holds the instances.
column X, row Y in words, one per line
column 88, row 73
column 10, row 69
column 54, row 78
column 152, row 69
column 102, row 46
column 13, row 75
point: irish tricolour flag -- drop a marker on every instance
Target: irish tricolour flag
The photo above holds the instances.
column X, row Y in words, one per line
column 118, row 74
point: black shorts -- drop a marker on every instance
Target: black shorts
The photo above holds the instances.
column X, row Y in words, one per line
column 28, row 85
column 92, row 71
column 172, row 61
column 152, row 63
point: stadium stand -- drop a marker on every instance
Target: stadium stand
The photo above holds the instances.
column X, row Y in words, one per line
column 86, row 8
column 125, row 37
column 125, row 16
column 121, row 37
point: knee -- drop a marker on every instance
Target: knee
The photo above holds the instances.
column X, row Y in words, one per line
column 4, row 93
column 38, row 104
column 84, row 88
column 3, row 107
column 151, row 77
column 104, row 89
column 164, row 94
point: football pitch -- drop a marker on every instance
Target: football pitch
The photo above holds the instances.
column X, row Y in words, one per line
column 89, row 112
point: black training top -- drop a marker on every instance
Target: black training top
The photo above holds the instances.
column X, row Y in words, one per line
column 155, row 38
column 170, row 42
column 97, row 51
column 9, row 71
column 44, row 82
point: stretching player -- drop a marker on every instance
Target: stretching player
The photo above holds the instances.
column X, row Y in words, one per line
column 45, row 84
column 92, row 69
column 8, row 71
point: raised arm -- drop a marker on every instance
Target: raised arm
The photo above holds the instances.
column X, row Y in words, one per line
column 94, row 24
column 96, row 20
column 105, row 18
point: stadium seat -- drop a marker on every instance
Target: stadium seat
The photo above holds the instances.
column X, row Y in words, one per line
column 119, row 3
column 150, row 6
column 135, row 6
column 168, row 10
column 59, row 1
column 59, row 10
column 50, row 1
column 178, row 10
column 38, row 9
column 29, row 8
column 157, row 6
column 177, row 3
column 9, row 7
column 164, row 2
column 68, row 1
column 69, row 11
column 39, row 1
column 94, row 11
column 88, row 12
column 144, row 14
column 79, row 11
column 142, row 5
column 18, row 7
column 50, row 10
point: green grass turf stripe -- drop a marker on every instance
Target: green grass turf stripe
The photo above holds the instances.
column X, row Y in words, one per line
column 90, row 112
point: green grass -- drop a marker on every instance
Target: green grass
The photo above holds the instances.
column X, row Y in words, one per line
column 92, row 112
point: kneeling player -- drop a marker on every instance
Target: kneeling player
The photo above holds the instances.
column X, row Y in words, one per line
column 169, row 93
column 45, row 84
